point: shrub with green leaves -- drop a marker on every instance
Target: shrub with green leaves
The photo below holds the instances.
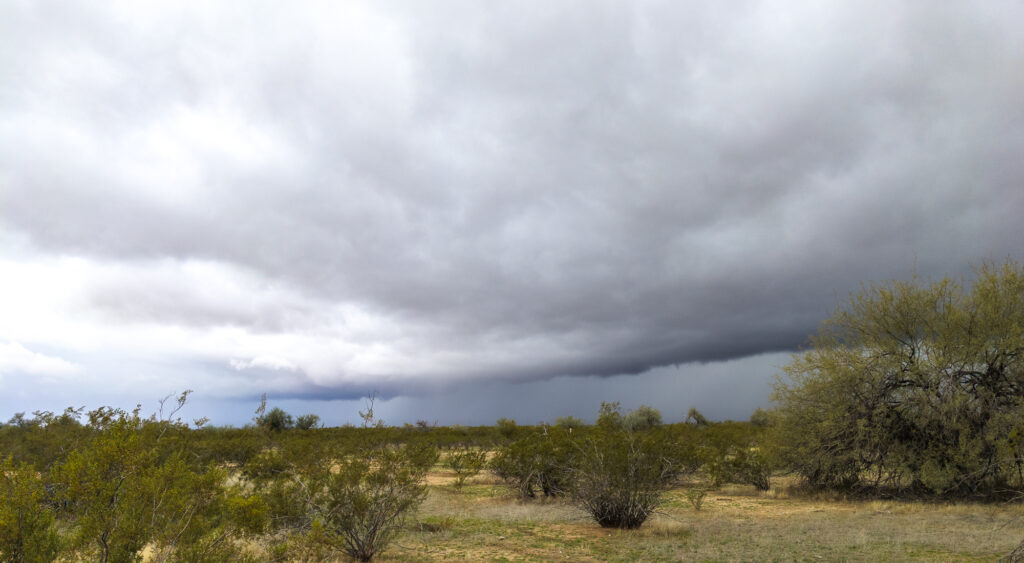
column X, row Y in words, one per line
column 619, row 476
column 465, row 462
column 537, row 461
column 132, row 483
column 736, row 452
column 26, row 522
column 353, row 503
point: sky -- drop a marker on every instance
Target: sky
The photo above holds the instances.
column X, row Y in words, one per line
column 481, row 209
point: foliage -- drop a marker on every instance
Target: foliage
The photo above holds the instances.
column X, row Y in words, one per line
column 619, row 476
column 26, row 522
column 42, row 438
column 465, row 462
column 763, row 418
column 356, row 507
column 735, row 452
column 913, row 387
column 537, row 461
column 569, row 422
column 506, row 428
column 643, row 418
column 133, row 482
column 696, row 496
column 307, row 422
column 694, row 416
column 608, row 416
column 277, row 420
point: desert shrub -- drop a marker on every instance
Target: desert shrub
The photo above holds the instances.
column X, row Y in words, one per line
column 538, row 461
column 132, row 483
column 696, row 496
column 465, row 462
column 26, row 522
column 735, row 452
column 913, row 387
column 365, row 503
column 357, row 507
column 750, row 466
column 619, row 476
column 108, row 484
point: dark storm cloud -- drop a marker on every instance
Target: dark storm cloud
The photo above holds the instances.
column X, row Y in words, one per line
column 523, row 191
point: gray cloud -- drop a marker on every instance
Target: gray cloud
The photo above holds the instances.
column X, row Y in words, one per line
column 464, row 192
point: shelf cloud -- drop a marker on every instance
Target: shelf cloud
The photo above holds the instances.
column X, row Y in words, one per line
column 325, row 200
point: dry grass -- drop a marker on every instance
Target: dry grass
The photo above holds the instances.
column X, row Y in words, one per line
column 486, row 523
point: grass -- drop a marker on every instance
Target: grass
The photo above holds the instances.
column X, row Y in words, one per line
column 485, row 522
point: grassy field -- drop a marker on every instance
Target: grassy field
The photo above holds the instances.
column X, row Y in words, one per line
column 486, row 523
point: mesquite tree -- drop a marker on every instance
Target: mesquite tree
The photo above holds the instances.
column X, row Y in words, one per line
column 914, row 387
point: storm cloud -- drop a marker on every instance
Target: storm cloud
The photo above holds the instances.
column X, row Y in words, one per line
column 323, row 200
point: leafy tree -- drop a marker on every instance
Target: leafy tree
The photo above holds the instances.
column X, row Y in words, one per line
column 277, row 420
column 643, row 418
column 608, row 416
column 694, row 416
column 307, row 422
column 913, row 386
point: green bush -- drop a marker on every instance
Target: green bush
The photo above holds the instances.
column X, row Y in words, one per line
column 133, row 482
column 26, row 523
column 465, row 462
column 619, row 476
column 736, row 452
column 351, row 503
column 537, row 461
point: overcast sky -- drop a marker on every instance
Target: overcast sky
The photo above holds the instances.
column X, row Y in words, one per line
column 481, row 209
